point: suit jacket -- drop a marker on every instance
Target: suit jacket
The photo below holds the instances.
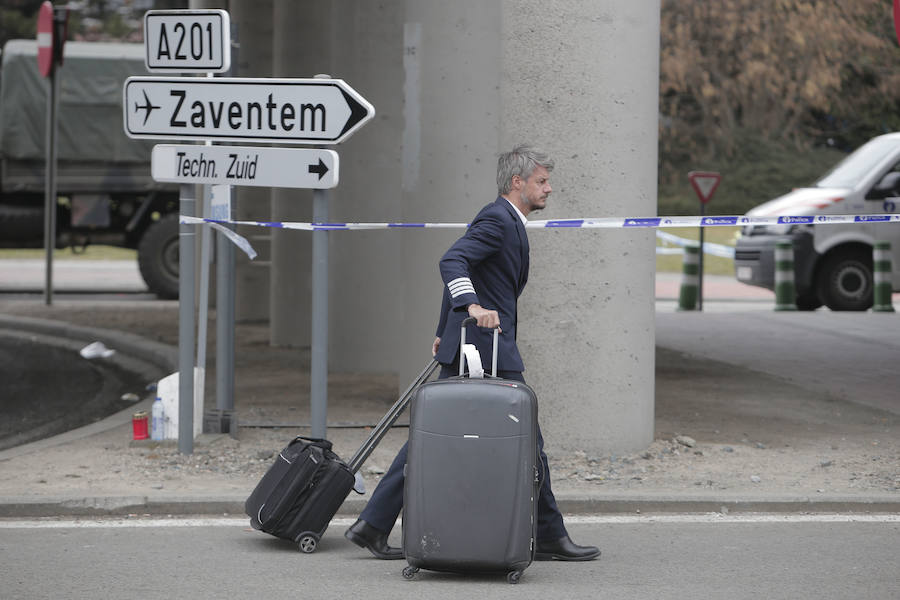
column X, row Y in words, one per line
column 488, row 265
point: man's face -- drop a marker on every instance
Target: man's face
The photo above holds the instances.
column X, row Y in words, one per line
column 536, row 189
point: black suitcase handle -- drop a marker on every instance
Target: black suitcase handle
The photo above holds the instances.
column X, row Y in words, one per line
column 462, row 342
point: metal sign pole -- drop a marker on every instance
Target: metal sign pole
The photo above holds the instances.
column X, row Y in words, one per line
column 319, row 354
column 186, row 339
column 50, row 185
column 225, row 278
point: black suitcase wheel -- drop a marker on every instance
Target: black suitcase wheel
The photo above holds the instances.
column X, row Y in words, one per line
column 308, row 543
column 513, row 577
column 410, row 572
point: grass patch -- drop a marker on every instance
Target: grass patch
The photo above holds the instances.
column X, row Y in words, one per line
column 712, row 265
column 90, row 253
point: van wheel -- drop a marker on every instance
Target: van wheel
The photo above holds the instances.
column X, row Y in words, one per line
column 845, row 280
column 158, row 257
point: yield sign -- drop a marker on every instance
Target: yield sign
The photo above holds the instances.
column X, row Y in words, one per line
column 705, row 184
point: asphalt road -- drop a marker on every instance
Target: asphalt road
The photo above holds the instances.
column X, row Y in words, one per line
column 706, row 557
column 48, row 388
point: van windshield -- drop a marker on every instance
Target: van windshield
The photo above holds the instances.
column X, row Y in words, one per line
column 849, row 172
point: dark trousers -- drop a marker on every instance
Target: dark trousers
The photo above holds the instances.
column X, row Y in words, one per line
column 386, row 502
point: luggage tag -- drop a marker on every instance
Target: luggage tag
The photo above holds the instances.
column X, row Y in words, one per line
column 473, row 359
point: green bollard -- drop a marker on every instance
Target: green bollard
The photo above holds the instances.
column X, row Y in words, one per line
column 785, row 294
column 881, row 271
column 690, row 280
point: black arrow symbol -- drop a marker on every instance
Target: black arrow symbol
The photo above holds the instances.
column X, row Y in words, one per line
column 320, row 168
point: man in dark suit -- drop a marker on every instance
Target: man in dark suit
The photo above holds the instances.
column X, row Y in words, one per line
column 484, row 273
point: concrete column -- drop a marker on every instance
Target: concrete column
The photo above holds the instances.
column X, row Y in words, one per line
column 250, row 203
column 581, row 80
column 301, row 44
column 451, row 120
column 366, row 314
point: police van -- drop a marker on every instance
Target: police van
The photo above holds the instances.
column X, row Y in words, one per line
column 832, row 262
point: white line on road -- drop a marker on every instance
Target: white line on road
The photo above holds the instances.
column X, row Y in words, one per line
column 112, row 523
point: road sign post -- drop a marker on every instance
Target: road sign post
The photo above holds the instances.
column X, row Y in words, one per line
column 705, row 184
column 321, row 110
column 51, row 37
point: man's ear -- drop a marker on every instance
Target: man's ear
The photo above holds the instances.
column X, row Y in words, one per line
column 516, row 182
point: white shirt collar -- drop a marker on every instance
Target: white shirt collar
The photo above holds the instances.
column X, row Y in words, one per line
column 518, row 212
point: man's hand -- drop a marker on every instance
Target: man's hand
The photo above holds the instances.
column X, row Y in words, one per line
column 435, row 346
column 489, row 319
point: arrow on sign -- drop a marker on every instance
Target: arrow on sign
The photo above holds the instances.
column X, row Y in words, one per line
column 319, row 169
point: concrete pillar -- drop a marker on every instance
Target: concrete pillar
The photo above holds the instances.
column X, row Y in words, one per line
column 581, row 80
column 451, row 121
column 250, row 203
column 365, row 290
column 301, row 44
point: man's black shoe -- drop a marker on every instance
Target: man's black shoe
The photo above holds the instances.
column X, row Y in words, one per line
column 374, row 540
column 564, row 549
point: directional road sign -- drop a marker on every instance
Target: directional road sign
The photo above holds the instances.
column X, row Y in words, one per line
column 251, row 166
column 705, row 184
column 293, row 111
column 187, row 40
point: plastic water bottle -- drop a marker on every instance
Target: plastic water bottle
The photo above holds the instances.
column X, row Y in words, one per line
column 157, row 420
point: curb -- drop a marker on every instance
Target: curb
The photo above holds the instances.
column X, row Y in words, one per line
column 109, row 506
column 162, row 356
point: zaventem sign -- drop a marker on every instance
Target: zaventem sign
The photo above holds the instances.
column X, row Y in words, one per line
column 293, row 111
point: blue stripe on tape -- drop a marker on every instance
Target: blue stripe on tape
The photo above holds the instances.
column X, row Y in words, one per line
column 871, row 218
column 565, row 223
column 712, row 221
column 644, row 222
column 270, row 224
column 796, row 220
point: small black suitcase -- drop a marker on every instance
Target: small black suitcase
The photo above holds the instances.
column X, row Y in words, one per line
column 470, row 493
column 306, row 485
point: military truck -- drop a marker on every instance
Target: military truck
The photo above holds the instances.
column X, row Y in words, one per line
column 105, row 194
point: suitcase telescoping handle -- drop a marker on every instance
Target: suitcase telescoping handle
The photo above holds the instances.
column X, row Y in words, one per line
column 462, row 343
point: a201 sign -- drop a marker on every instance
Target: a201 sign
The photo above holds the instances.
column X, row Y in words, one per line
column 187, row 41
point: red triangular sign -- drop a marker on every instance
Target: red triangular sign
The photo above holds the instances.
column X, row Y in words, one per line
column 704, row 183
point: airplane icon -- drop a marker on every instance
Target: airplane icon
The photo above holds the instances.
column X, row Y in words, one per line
column 148, row 106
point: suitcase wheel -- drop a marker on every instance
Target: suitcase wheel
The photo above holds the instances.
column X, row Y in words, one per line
column 410, row 572
column 513, row 577
column 308, row 542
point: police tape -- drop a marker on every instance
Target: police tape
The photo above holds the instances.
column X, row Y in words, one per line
column 710, row 248
column 595, row 223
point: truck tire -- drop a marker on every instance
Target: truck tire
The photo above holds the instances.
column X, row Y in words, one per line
column 158, row 257
column 808, row 301
column 844, row 280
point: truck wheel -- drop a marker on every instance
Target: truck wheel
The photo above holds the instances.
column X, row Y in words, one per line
column 158, row 257
column 808, row 301
column 845, row 280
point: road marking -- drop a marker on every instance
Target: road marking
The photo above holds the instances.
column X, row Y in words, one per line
column 137, row 522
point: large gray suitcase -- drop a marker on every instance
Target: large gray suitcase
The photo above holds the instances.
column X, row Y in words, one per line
column 470, row 494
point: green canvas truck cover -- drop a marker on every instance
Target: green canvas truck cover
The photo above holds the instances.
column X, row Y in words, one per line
column 90, row 124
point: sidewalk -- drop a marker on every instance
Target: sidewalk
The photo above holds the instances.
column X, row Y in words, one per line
column 727, row 439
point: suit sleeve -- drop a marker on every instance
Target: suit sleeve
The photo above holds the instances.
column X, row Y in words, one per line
column 484, row 238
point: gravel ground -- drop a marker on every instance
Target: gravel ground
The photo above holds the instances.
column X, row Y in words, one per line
column 720, row 430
